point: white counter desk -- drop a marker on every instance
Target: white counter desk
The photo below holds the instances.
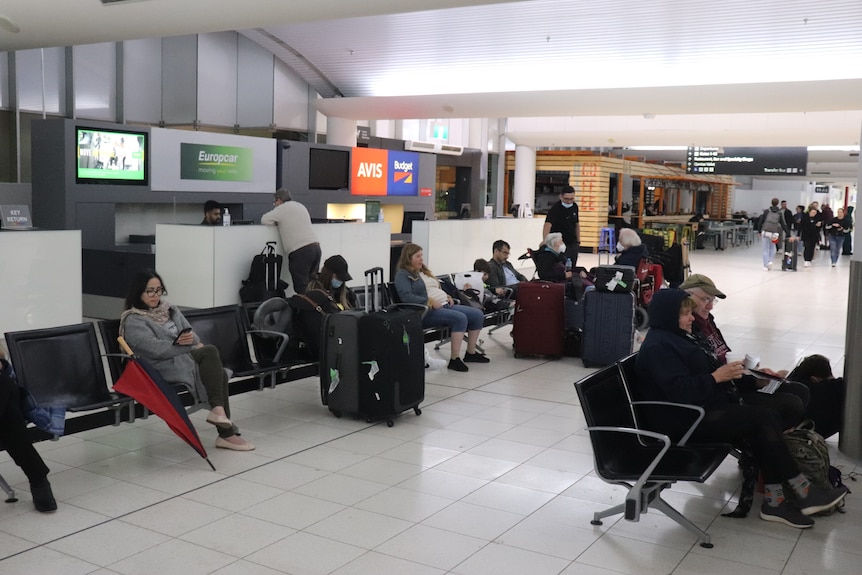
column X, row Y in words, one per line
column 41, row 285
column 451, row 246
column 204, row 266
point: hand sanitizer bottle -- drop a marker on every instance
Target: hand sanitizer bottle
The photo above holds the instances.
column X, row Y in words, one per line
column 380, row 216
column 225, row 218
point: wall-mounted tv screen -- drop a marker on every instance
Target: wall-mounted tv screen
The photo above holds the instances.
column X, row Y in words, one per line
column 328, row 169
column 108, row 156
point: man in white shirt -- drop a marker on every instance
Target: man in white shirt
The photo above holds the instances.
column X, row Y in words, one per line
column 298, row 241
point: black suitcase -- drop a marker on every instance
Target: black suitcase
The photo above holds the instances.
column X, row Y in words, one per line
column 620, row 279
column 373, row 363
column 537, row 324
column 789, row 257
column 574, row 310
column 608, row 327
column 264, row 277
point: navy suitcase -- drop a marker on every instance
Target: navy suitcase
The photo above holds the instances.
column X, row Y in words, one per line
column 538, row 321
column 609, row 328
column 373, row 363
column 789, row 256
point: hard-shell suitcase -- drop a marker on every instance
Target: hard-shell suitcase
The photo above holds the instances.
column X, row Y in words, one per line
column 615, row 278
column 538, row 321
column 789, row 256
column 373, row 363
column 608, row 327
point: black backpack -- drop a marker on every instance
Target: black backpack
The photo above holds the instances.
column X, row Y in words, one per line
column 264, row 277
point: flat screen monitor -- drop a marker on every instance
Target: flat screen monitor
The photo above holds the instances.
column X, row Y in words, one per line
column 328, row 169
column 110, row 156
column 409, row 218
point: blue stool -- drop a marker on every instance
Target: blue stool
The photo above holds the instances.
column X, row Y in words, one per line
column 607, row 243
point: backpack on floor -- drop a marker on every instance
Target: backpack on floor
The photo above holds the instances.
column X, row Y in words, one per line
column 811, row 454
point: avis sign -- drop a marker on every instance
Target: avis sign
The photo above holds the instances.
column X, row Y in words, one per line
column 384, row 173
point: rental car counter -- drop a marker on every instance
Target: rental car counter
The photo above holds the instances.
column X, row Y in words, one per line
column 204, row 266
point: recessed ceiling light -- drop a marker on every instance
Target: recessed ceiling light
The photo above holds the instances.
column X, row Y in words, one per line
column 9, row 25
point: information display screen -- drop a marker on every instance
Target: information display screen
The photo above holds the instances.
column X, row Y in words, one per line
column 111, row 156
column 781, row 161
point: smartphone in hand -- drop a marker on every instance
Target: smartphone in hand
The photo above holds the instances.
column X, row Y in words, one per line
column 181, row 334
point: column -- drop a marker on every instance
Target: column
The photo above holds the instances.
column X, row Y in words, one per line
column 850, row 439
column 340, row 132
column 525, row 176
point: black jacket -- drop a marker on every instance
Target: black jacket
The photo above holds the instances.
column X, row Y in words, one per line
column 550, row 265
column 672, row 366
column 632, row 256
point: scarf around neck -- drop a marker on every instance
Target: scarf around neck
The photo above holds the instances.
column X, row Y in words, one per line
column 159, row 314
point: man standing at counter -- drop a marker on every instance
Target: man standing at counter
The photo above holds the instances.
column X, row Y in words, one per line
column 298, row 241
column 563, row 218
column 212, row 213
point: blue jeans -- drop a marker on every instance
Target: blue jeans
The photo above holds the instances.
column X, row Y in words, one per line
column 836, row 244
column 768, row 248
column 459, row 318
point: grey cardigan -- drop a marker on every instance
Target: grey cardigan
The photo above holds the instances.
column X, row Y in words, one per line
column 155, row 343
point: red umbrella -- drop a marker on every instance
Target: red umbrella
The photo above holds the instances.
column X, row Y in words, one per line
column 142, row 381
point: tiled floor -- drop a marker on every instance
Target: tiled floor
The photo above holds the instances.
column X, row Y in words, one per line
column 495, row 477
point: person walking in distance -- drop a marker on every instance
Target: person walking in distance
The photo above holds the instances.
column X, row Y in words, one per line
column 773, row 228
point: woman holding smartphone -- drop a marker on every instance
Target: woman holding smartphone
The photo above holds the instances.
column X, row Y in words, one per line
column 158, row 332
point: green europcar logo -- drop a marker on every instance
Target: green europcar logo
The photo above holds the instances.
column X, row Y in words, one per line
column 222, row 163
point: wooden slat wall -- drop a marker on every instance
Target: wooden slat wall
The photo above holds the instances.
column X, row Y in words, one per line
column 589, row 174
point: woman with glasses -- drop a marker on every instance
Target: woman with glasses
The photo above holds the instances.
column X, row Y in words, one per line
column 158, row 332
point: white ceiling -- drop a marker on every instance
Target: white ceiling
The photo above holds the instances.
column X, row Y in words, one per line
column 736, row 72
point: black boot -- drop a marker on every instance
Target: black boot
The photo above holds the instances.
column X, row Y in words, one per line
column 43, row 497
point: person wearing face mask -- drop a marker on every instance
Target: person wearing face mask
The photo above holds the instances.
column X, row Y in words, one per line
column 332, row 279
column 550, row 259
column 562, row 218
column 631, row 249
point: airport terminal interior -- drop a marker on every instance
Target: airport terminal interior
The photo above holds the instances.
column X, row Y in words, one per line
column 497, row 99
column 496, row 475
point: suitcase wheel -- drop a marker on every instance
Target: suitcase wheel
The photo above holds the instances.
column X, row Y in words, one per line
column 641, row 318
column 336, row 414
column 417, row 411
column 389, row 423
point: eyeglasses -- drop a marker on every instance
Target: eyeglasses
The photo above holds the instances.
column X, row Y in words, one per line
column 156, row 291
column 707, row 300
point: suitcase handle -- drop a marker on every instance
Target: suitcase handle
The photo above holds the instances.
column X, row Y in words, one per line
column 372, row 288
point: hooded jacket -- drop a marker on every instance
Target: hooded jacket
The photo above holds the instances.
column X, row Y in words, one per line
column 671, row 365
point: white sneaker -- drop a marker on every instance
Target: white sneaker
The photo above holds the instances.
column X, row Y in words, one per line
column 766, row 269
column 434, row 363
column 769, row 265
column 833, row 265
column 808, row 264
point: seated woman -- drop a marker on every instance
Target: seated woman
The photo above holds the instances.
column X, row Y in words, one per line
column 332, row 279
column 550, row 259
column 14, row 437
column 631, row 249
column 416, row 284
column 158, row 332
column 826, row 407
column 673, row 368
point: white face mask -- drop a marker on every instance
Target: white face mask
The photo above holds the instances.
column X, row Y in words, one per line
column 620, row 247
column 561, row 248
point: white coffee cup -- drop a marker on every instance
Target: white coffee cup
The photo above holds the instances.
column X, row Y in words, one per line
column 733, row 356
column 751, row 361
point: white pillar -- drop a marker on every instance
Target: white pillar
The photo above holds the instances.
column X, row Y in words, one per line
column 525, row 176
column 341, row 132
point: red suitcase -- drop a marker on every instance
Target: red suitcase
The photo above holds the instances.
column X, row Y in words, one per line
column 538, row 322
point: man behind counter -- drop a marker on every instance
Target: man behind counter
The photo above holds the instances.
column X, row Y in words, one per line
column 212, row 213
